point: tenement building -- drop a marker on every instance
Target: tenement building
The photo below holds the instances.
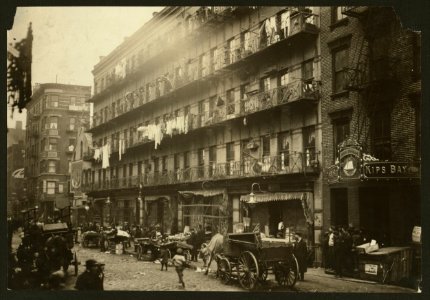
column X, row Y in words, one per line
column 54, row 114
column 210, row 116
column 371, row 135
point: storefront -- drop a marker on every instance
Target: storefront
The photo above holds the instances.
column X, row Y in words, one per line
column 293, row 209
column 381, row 200
column 207, row 208
column 159, row 211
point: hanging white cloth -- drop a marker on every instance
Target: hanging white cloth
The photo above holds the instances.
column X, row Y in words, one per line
column 120, row 149
column 97, row 154
column 105, row 159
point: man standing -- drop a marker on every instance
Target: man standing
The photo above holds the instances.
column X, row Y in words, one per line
column 301, row 254
column 92, row 278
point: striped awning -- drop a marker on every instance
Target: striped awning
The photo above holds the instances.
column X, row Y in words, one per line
column 204, row 193
column 156, row 197
column 270, row 197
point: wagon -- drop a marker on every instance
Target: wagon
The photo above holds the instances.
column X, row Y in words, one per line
column 147, row 249
column 174, row 245
column 249, row 258
column 91, row 239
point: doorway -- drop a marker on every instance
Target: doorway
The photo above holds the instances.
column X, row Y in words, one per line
column 339, row 207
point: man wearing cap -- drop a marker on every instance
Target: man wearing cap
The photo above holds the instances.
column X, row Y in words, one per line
column 92, row 278
column 301, row 253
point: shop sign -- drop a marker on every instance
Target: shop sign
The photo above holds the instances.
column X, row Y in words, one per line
column 389, row 170
column 371, row 269
column 349, row 158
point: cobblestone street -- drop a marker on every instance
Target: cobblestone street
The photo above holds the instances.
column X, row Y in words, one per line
column 124, row 272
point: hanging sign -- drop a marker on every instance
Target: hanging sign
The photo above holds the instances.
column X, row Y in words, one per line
column 349, row 159
column 379, row 169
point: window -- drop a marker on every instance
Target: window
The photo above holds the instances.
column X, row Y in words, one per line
column 265, row 84
column 266, row 145
column 309, row 145
column 45, row 125
column 247, row 41
column 51, row 167
column 50, row 187
column 201, row 156
column 126, row 138
column 230, row 151
column 72, row 123
column 73, row 101
column 42, row 144
column 204, row 65
column 381, row 134
column 124, row 171
column 341, row 130
column 230, row 101
column 212, row 159
column 52, row 144
column 176, row 162
column 164, row 164
column 156, row 165
column 284, row 77
column 213, row 59
column 340, row 62
column 284, row 142
column 308, row 71
column 243, row 90
column 186, row 159
column 139, row 168
column 230, row 158
column 212, row 105
column 232, row 49
column 130, row 169
column 337, row 14
column 53, row 122
column 54, row 101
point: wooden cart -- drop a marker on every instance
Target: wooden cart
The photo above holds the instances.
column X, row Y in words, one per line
column 249, row 259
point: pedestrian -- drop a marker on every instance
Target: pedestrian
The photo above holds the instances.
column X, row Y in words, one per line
column 92, row 278
column 330, row 257
column 193, row 242
column 180, row 263
column 164, row 255
column 339, row 252
column 301, row 254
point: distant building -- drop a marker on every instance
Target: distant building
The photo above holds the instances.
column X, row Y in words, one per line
column 16, row 196
column 14, row 135
column 54, row 115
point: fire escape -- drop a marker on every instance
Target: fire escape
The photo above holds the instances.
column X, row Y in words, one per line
column 373, row 72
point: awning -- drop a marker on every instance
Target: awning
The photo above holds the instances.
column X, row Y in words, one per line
column 204, row 193
column 269, row 197
column 157, row 197
column 306, row 198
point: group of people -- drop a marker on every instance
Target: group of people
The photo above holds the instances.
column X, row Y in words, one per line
column 339, row 249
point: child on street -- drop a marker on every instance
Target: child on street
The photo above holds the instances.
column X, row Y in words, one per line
column 164, row 255
column 180, row 263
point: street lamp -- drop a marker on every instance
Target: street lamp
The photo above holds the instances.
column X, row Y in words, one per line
column 252, row 202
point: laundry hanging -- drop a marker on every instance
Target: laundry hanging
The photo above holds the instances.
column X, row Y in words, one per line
column 105, row 157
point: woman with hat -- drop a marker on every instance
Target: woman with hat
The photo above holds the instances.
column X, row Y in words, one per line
column 92, row 278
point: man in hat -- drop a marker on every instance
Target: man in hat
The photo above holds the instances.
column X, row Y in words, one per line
column 301, row 253
column 92, row 278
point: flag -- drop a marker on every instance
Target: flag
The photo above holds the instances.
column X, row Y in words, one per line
column 19, row 71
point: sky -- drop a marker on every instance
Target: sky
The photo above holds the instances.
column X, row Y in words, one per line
column 68, row 41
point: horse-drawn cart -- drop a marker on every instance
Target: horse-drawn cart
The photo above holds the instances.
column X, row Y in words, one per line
column 91, row 239
column 149, row 250
column 249, row 258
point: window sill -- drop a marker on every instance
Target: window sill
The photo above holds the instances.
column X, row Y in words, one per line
column 339, row 95
column 343, row 22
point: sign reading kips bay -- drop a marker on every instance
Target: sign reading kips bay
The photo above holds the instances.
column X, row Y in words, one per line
column 352, row 163
column 376, row 169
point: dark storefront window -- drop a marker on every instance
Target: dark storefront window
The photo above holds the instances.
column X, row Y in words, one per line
column 339, row 207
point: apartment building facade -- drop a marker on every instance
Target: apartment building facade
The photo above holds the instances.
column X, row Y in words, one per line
column 207, row 115
column 54, row 115
column 371, row 116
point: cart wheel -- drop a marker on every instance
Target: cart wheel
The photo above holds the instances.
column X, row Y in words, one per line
column 224, row 270
column 248, row 270
column 75, row 263
column 286, row 273
column 139, row 252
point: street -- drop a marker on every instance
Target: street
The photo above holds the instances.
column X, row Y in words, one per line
column 124, row 272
